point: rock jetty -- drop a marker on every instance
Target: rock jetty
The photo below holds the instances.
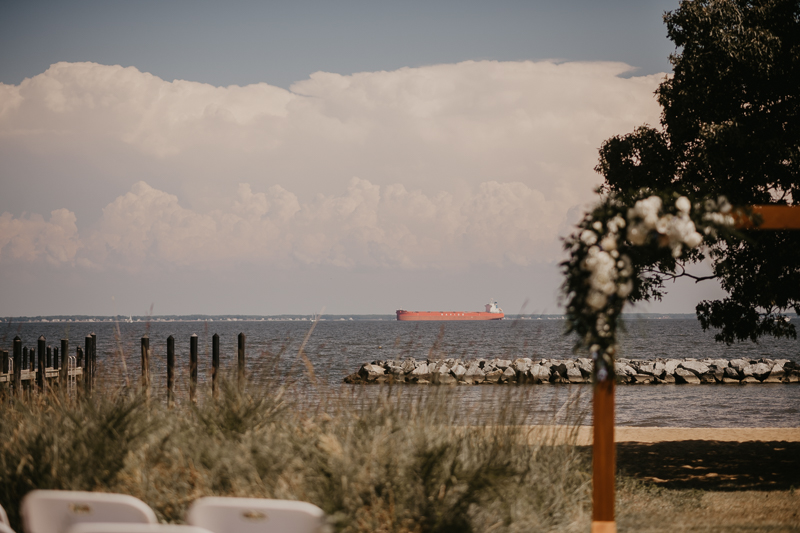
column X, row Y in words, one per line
column 528, row 371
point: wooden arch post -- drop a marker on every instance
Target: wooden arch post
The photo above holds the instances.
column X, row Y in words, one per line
column 757, row 217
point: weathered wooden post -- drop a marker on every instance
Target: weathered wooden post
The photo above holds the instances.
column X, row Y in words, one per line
column 94, row 357
column 214, row 365
column 48, row 361
column 18, row 366
column 64, row 370
column 87, row 367
column 241, row 375
column 41, row 382
column 24, row 359
column 32, row 354
column 146, row 365
column 55, row 357
column 79, row 364
column 170, row 370
column 193, row 367
column 4, row 370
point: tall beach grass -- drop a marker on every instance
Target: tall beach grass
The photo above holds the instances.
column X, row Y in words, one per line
column 392, row 461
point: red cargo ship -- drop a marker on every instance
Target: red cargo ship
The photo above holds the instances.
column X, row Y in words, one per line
column 493, row 312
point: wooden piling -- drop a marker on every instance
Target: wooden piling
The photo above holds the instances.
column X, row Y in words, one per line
column 193, row 367
column 32, row 355
column 48, row 361
column 55, row 357
column 214, row 365
column 145, row 345
column 94, row 357
column 87, row 365
column 241, row 375
column 17, row 366
column 24, row 365
column 41, row 382
column 4, row 370
column 63, row 374
column 170, row 370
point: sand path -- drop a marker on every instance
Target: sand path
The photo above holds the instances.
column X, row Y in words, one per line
column 649, row 434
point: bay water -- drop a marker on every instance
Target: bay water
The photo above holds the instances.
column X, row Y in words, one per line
column 336, row 348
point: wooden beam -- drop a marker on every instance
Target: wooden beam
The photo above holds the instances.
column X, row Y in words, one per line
column 771, row 217
column 603, row 459
column 755, row 217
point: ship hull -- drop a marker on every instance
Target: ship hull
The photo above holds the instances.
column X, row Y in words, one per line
column 418, row 316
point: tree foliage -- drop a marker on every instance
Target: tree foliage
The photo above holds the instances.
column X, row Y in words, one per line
column 730, row 126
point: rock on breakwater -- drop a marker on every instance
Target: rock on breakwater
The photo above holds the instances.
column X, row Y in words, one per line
column 454, row 371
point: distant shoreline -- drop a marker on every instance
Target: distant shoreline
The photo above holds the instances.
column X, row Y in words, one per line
column 60, row 319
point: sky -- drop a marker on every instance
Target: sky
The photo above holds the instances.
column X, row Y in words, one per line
column 307, row 157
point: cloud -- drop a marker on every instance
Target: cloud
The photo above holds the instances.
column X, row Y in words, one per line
column 367, row 225
column 33, row 238
column 478, row 162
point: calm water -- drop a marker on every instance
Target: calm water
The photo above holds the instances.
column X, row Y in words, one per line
column 336, row 349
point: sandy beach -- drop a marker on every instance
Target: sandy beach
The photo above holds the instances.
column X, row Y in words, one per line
column 651, row 435
column 655, row 434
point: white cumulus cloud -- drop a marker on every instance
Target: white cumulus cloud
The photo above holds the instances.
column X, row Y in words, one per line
column 366, row 225
column 33, row 238
column 475, row 162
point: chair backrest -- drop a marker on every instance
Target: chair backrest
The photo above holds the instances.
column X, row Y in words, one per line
column 4, row 517
column 255, row 515
column 99, row 527
column 54, row 511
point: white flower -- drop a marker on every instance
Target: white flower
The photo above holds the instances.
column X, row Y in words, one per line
column 679, row 229
column 719, row 219
column 609, row 243
column 588, row 237
column 624, row 289
column 693, row 240
column 663, row 224
column 598, row 227
column 637, row 234
column 647, row 210
column 683, row 205
column 625, row 267
column 596, row 300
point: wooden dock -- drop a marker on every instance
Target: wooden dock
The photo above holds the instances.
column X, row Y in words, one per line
column 39, row 369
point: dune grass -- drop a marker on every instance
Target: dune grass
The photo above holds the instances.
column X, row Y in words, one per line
column 398, row 463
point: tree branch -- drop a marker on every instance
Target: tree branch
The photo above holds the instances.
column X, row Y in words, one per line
column 673, row 276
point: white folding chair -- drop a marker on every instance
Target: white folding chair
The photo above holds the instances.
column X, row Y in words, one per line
column 54, row 511
column 4, row 517
column 255, row 515
column 99, row 527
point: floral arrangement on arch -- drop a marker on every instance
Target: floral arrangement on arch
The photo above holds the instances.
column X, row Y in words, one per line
column 603, row 271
